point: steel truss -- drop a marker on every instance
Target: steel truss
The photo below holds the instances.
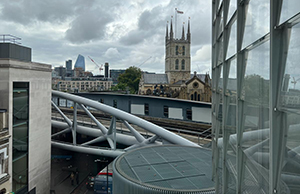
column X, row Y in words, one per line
column 102, row 133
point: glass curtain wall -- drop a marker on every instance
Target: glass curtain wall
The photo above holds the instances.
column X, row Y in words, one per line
column 20, row 136
column 256, row 96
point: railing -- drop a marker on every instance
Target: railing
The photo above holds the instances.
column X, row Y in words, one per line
column 8, row 38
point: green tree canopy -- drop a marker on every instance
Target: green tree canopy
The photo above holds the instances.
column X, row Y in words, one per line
column 130, row 78
column 256, row 90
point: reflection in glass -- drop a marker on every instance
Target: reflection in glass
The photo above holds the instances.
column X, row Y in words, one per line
column 289, row 9
column 20, row 136
column 220, row 84
column 220, row 57
column 230, row 126
column 232, row 41
column 290, row 96
column 257, row 21
column 255, row 142
column 232, row 9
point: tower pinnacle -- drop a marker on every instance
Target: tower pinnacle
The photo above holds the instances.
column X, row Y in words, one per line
column 167, row 34
column 182, row 36
column 188, row 35
column 171, row 30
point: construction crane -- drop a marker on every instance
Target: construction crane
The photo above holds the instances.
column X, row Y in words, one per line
column 144, row 61
column 100, row 67
column 294, row 81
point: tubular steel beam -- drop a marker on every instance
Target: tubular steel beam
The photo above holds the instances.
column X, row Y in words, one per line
column 169, row 136
column 88, row 150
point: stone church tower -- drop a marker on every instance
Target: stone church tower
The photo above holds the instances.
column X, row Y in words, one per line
column 178, row 56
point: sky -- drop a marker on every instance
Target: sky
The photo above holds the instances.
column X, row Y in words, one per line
column 123, row 33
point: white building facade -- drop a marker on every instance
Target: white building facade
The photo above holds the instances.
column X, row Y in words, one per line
column 25, row 93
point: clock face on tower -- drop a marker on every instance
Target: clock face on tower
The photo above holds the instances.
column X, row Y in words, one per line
column 180, row 50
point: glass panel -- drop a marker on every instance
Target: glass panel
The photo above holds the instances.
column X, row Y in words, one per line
column 291, row 84
column 232, row 41
column 20, row 103
column 221, row 24
column 291, row 169
column 290, row 101
column 230, row 127
column 20, row 140
column 220, row 58
column 232, row 9
column 257, row 21
column 20, row 174
column 20, row 136
column 289, row 9
column 220, row 84
column 255, row 142
column 232, row 87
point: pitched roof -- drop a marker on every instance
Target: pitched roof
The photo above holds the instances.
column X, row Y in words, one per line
column 200, row 76
column 155, row 78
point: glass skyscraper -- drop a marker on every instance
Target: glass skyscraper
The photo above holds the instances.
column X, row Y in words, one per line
column 256, row 96
column 80, row 62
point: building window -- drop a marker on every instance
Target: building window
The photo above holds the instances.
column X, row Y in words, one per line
column 176, row 50
column 20, row 136
column 183, row 50
column 146, row 109
column 192, row 97
column 166, row 111
column 115, row 103
column 198, row 97
column 182, row 64
column 189, row 114
column 195, row 96
column 176, row 64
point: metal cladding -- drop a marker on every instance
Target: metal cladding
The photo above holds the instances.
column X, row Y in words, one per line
column 15, row 51
column 163, row 169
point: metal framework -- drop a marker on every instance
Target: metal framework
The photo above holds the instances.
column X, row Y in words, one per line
column 102, row 133
column 254, row 127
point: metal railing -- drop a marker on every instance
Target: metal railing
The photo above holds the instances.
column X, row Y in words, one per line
column 8, row 38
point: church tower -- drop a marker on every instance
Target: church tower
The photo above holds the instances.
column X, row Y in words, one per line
column 178, row 55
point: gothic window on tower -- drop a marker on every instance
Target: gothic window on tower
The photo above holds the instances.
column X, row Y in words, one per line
column 182, row 64
column 176, row 50
column 176, row 64
column 183, row 50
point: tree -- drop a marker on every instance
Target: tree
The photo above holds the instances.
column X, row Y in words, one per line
column 130, row 78
column 256, row 90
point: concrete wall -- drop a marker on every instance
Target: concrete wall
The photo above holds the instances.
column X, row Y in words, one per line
column 39, row 78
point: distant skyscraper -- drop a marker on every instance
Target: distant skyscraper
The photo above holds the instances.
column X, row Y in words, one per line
column 106, row 70
column 69, row 65
column 80, row 62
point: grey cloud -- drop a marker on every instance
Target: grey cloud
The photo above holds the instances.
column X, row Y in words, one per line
column 134, row 37
column 25, row 12
column 88, row 26
column 150, row 23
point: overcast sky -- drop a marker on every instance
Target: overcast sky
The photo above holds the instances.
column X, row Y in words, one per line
column 122, row 32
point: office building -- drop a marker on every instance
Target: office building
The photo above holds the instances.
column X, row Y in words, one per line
column 25, row 121
column 69, row 65
column 80, row 62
